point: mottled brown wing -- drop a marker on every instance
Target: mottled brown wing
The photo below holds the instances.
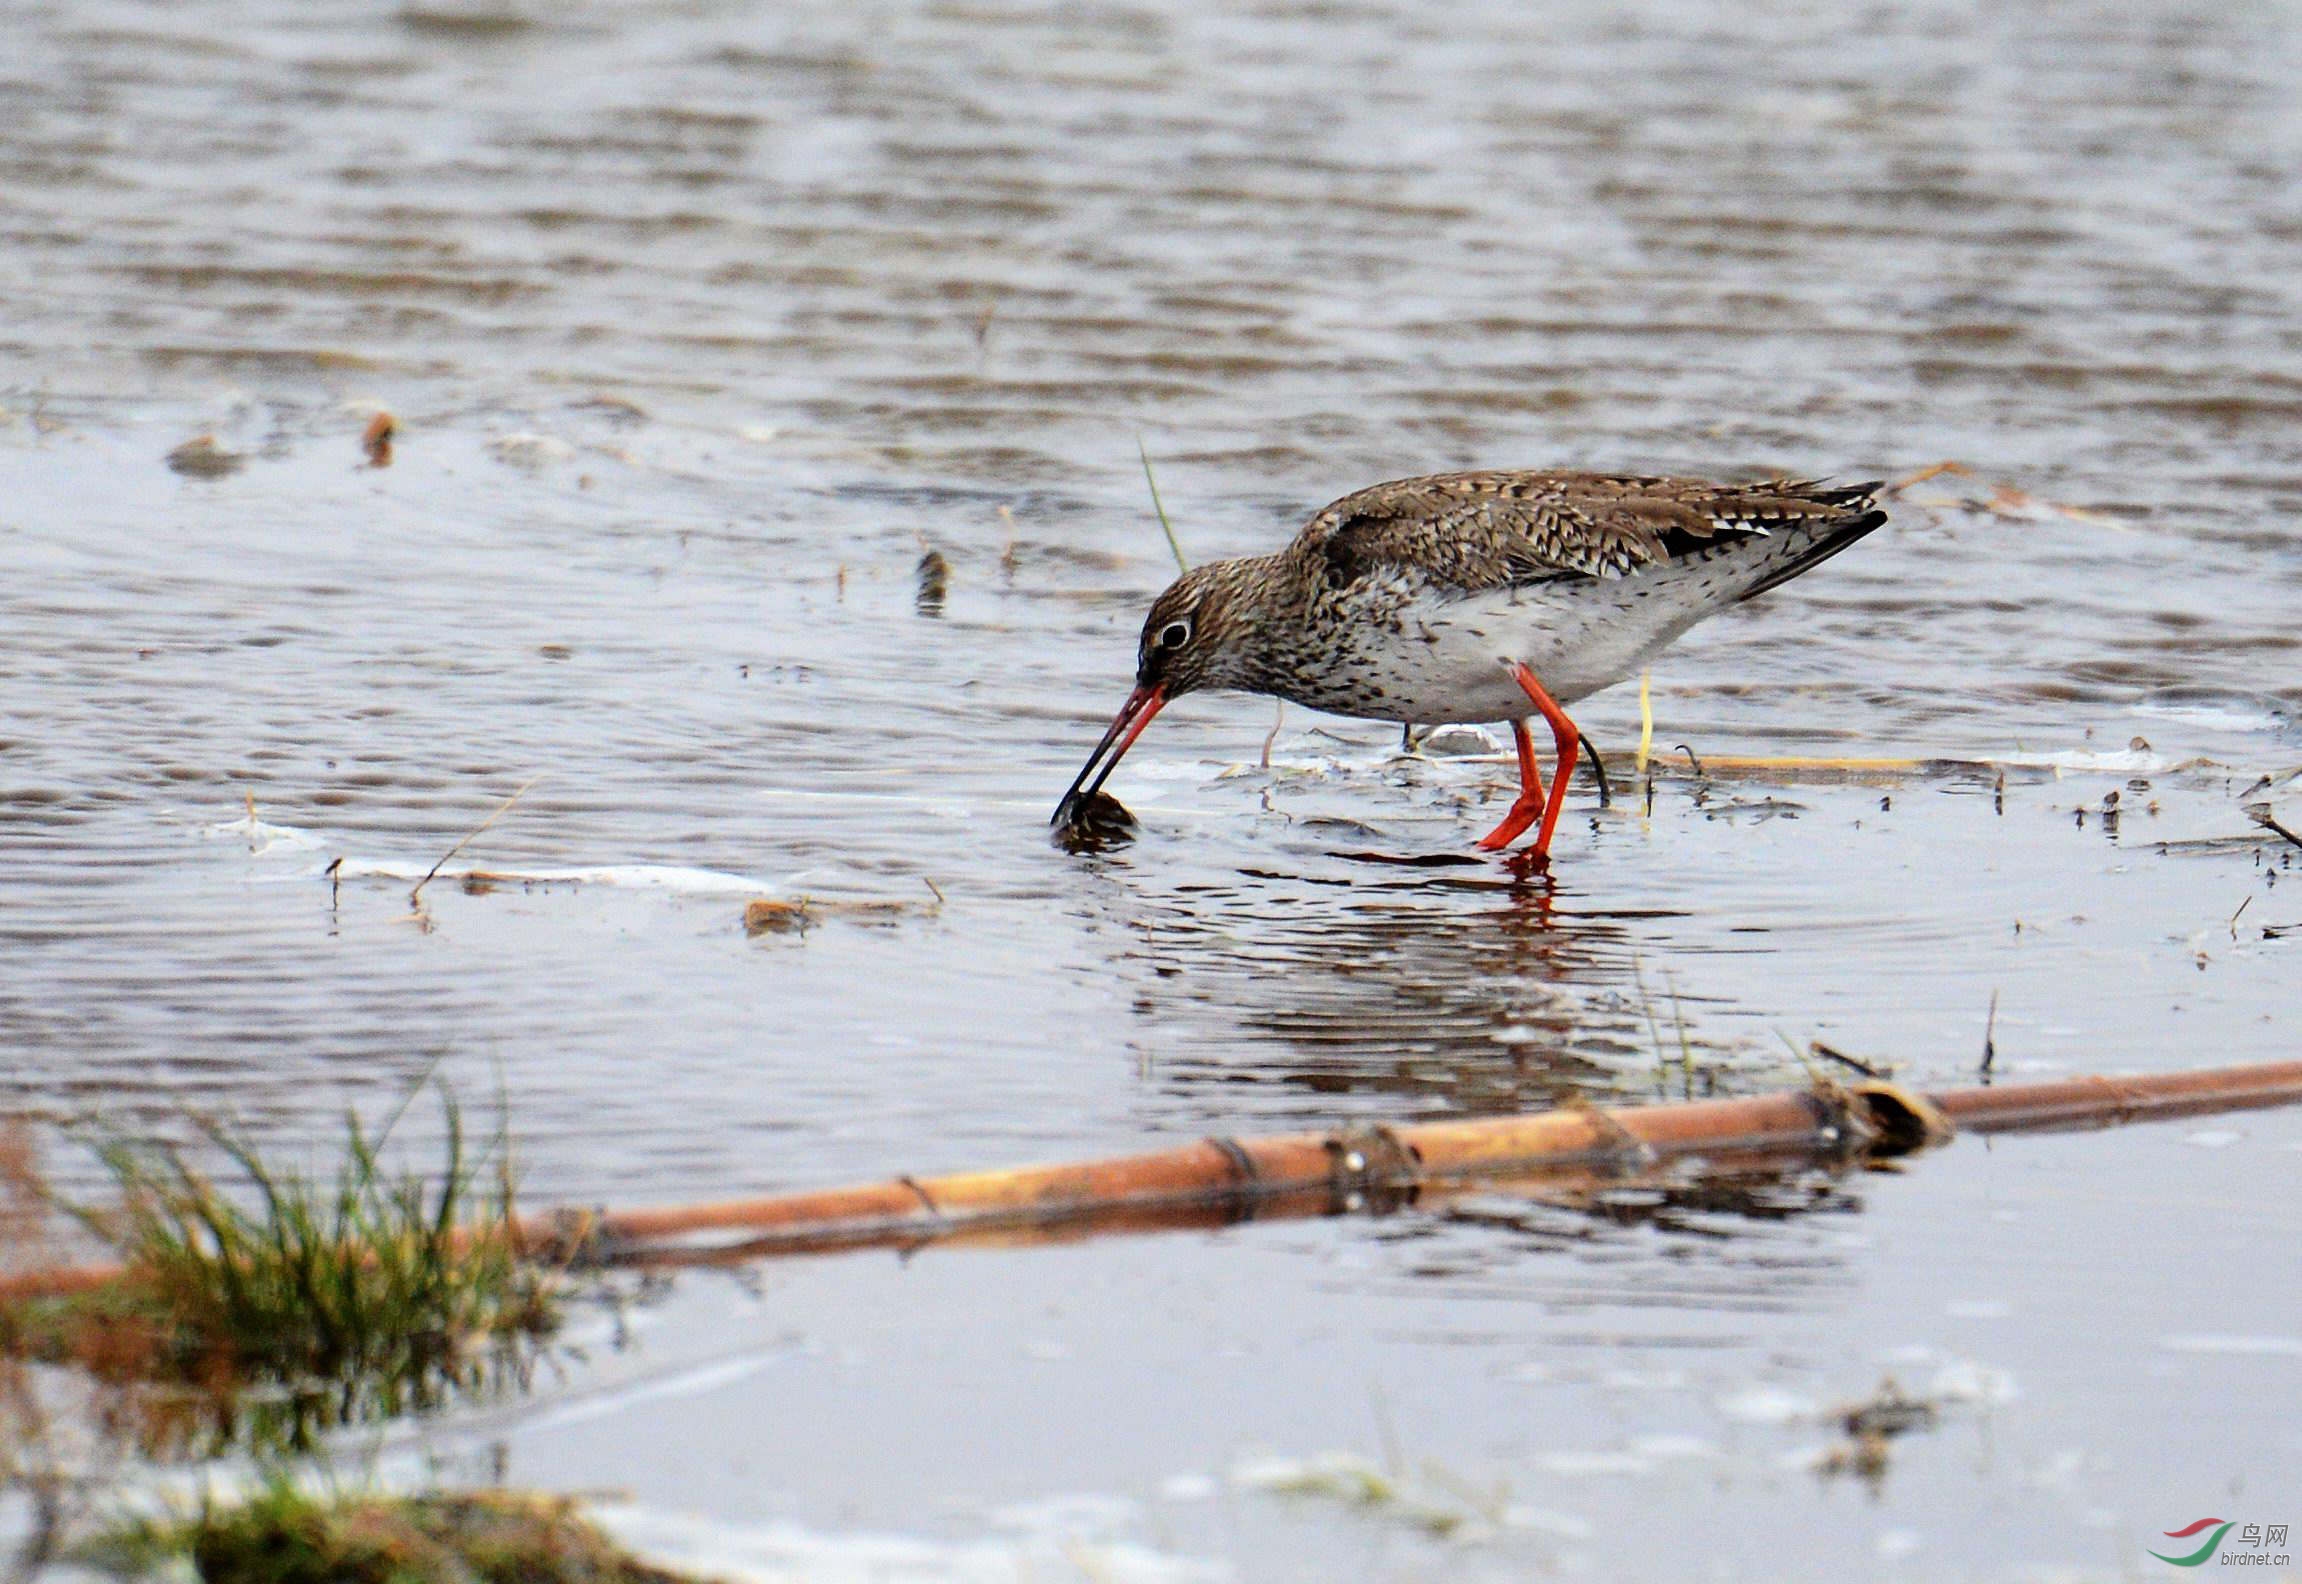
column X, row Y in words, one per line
column 1475, row 531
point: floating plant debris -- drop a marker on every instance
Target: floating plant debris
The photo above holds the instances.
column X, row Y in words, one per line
column 376, row 442
column 796, row 915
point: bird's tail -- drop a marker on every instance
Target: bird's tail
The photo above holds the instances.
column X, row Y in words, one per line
column 1817, row 539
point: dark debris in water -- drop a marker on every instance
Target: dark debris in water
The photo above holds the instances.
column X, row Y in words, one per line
column 1755, row 811
column 376, row 439
column 466, row 22
column 203, row 457
column 1429, row 860
column 1870, row 1426
column 934, row 583
column 1889, row 1411
column 1093, row 821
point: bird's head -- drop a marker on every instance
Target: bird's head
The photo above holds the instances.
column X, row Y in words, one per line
column 1198, row 635
column 1193, row 637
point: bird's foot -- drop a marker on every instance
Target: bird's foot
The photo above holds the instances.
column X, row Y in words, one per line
column 1523, row 814
column 1529, row 863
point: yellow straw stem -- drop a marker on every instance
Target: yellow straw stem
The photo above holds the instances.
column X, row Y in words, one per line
column 1646, row 718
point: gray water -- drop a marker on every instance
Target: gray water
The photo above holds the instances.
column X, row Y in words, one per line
column 702, row 323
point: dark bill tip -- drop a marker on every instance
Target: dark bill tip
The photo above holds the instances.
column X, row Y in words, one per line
column 1126, row 726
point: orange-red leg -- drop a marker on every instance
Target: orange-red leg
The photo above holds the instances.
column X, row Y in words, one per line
column 1530, row 803
column 1566, row 738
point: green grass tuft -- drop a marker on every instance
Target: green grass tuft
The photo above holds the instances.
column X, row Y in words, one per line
column 295, row 1301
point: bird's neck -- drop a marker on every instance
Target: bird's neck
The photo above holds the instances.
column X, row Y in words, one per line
column 1268, row 605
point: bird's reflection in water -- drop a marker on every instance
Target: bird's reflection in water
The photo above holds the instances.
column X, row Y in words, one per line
column 1320, row 983
column 1324, row 984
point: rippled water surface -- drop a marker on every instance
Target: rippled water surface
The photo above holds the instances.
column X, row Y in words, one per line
column 704, row 324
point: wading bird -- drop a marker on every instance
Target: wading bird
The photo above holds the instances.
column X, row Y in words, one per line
column 1478, row 597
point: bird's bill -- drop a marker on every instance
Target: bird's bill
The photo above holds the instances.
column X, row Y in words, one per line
column 1126, row 726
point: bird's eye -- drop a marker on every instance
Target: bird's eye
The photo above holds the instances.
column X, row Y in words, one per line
column 1175, row 635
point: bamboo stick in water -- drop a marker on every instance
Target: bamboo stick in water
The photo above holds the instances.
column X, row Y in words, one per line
column 1573, row 1150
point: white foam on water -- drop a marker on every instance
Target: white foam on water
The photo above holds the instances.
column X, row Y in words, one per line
column 2091, row 761
column 640, row 877
column 260, row 836
column 785, row 1552
column 1767, row 1405
column 2213, row 717
column 263, row 838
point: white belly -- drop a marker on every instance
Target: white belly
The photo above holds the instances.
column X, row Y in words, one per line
column 1446, row 660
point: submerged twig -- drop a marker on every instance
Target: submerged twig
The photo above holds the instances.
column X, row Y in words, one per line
column 2261, row 815
column 1386, row 1432
column 1007, row 556
column 415, row 897
column 1598, row 769
column 1936, row 470
column 1833, row 1053
column 1647, row 1005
